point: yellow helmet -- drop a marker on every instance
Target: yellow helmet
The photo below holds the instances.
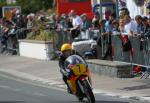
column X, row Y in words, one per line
column 66, row 46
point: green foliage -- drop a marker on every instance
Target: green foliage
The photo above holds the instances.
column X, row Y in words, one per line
column 31, row 36
column 29, row 6
column 3, row 3
column 42, row 35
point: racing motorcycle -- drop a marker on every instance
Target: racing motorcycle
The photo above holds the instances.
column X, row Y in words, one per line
column 79, row 79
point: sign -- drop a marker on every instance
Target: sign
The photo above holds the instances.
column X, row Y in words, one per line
column 9, row 11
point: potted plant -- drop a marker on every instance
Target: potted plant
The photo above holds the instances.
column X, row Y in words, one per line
column 38, row 44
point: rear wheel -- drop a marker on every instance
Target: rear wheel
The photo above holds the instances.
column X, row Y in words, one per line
column 88, row 92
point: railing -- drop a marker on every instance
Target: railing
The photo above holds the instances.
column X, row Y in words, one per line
column 11, row 46
column 136, row 56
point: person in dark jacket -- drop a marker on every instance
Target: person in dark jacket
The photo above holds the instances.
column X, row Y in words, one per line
column 66, row 51
column 146, row 27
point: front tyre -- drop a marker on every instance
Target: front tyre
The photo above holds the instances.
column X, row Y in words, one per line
column 80, row 99
column 88, row 92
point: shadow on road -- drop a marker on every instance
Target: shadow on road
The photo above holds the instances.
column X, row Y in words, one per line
column 106, row 102
column 63, row 102
column 110, row 102
column 137, row 87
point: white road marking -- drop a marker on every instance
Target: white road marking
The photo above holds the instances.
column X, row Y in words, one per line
column 10, row 88
column 59, row 86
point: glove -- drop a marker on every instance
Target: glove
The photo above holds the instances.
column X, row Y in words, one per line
column 66, row 74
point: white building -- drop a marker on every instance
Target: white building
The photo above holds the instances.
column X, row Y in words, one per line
column 94, row 2
column 132, row 7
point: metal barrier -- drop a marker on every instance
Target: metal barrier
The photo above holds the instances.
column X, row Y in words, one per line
column 147, row 51
column 104, row 44
column 118, row 53
column 137, row 53
column 137, row 56
column 92, row 33
column 117, row 48
column 11, row 46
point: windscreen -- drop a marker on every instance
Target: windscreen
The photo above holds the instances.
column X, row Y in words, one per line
column 74, row 59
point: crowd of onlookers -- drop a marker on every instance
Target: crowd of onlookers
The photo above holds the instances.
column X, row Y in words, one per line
column 72, row 24
column 125, row 27
column 138, row 26
column 18, row 23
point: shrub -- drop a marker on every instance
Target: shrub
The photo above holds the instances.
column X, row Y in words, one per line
column 40, row 35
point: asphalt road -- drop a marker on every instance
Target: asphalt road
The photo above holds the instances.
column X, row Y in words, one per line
column 15, row 90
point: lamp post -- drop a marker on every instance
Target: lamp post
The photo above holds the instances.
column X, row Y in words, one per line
column 100, row 8
column 117, row 10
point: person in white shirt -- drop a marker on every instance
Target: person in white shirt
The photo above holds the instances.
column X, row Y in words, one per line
column 76, row 20
column 77, row 24
column 130, row 26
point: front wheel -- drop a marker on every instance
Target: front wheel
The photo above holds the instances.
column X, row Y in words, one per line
column 80, row 99
column 88, row 92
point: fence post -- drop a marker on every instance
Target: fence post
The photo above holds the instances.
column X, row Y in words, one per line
column 138, row 56
column 117, row 48
column 149, row 52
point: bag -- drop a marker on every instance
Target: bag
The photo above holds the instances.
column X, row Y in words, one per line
column 75, row 33
column 126, row 44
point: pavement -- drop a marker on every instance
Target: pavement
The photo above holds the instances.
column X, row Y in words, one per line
column 47, row 72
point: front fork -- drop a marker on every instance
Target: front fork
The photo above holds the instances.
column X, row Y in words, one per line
column 80, row 83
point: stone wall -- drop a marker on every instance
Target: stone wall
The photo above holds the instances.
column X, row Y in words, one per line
column 110, row 68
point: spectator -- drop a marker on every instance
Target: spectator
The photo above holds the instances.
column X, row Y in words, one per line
column 66, row 25
column 25, row 20
column 126, row 44
column 95, row 21
column 59, row 30
column 138, row 19
column 58, row 24
column 102, row 25
column 115, row 27
column 146, row 27
column 130, row 26
column 66, row 22
column 107, row 35
column 102, row 30
column 149, row 21
column 30, row 22
column 77, row 24
column 18, row 19
column 121, row 25
column 108, row 24
column 86, row 22
column 4, row 38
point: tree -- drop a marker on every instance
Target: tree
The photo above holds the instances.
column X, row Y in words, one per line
column 29, row 6
column 3, row 3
